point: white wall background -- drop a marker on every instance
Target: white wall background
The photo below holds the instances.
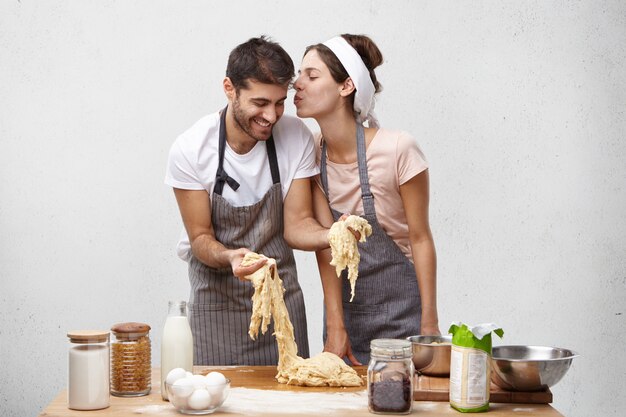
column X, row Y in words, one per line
column 519, row 106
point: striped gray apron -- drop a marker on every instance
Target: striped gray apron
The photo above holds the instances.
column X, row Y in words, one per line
column 387, row 301
column 220, row 304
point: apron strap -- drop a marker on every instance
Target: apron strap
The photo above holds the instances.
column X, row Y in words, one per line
column 323, row 171
column 271, row 154
column 366, row 194
column 222, row 177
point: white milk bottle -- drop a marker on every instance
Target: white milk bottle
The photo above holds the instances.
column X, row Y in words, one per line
column 177, row 343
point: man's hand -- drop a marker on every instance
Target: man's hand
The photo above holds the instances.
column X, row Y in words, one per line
column 235, row 258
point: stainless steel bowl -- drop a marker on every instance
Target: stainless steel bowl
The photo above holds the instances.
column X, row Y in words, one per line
column 431, row 354
column 529, row 368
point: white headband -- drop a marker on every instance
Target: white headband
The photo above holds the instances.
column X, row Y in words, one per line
column 360, row 75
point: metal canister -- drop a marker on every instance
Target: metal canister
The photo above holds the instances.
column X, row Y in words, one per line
column 131, row 369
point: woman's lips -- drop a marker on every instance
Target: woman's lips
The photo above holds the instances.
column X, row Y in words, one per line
column 297, row 100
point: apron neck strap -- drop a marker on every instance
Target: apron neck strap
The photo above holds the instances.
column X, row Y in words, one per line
column 323, row 171
column 271, row 154
column 366, row 194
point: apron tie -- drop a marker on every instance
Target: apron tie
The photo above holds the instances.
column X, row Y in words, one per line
column 221, row 178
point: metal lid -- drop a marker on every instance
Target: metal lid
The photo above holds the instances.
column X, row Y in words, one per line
column 391, row 348
column 88, row 336
column 130, row 331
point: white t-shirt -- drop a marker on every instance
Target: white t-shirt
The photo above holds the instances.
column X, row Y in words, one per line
column 194, row 157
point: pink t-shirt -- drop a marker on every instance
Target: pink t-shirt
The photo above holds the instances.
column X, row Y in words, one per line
column 393, row 158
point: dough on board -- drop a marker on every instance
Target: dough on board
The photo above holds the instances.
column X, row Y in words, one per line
column 325, row 369
column 344, row 249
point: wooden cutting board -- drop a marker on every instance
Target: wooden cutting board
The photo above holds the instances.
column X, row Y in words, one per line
column 426, row 388
column 264, row 377
column 429, row 388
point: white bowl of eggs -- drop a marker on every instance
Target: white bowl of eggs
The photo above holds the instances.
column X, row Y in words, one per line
column 196, row 394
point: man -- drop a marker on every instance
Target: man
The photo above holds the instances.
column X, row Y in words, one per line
column 241, row 180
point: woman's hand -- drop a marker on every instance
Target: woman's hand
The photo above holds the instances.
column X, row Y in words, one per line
column 356, row 234
column 429, row 329
column 337, row 342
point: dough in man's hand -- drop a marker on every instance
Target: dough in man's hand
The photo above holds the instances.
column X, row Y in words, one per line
column 325, row 369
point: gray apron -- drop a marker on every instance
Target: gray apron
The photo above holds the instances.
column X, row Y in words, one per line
column 387, row 301
column 220, row 304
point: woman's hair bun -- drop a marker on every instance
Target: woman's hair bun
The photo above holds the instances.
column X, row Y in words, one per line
column 369, row 52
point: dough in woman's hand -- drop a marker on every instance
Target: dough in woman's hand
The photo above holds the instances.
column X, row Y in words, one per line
column 344, row 249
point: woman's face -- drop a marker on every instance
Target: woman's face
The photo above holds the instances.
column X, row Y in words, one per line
column 317, row 93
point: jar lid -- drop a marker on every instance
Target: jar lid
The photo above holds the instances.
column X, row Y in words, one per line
column 391, row 348
column 88, row 336
column 130, row 330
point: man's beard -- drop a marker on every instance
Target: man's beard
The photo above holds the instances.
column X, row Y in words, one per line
column 243, row 122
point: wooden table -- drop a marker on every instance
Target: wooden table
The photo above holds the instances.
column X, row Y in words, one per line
column 254, row 391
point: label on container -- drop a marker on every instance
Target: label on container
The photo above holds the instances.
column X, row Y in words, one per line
column 469, row 378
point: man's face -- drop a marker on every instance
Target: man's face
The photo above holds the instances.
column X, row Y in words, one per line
column 256, row 109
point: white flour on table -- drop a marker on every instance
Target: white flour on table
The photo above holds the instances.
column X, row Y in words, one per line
column 155, row 409
column 257, row 401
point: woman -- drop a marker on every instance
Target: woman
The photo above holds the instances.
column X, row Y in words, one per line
column 381, row 175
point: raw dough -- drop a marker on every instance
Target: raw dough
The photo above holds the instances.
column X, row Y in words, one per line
column 325, row 369
column 344, row 249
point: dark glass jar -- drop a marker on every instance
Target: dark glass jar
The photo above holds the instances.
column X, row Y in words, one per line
column 390, row 377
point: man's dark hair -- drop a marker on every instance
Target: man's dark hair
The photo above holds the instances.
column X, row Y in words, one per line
column 261, row 60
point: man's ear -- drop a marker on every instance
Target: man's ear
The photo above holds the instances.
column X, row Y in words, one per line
column 347, row 87
column 229, row 89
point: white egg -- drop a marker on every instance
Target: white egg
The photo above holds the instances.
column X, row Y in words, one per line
column 174, row 375
column 215, row 390
column 217, row 399
column 183, row 387
column 199, row 400
column 215, row 378
column 215, row 384
column 199, row 381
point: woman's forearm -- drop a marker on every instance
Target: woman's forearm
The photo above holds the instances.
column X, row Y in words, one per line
column 425, row 260
column 331, row 286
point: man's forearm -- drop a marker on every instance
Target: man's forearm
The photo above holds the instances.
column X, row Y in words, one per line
column 306, row 234
column 211, row 252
